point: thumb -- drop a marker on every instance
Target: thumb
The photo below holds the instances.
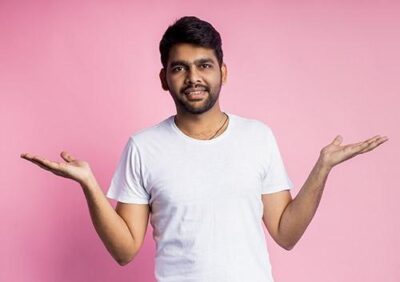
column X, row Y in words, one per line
column 337, row 140
column 66, row 156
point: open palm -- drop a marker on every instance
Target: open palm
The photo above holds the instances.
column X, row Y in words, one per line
column 77, row 170
column 335, row 153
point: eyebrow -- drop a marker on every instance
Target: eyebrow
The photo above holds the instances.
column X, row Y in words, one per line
column 197, row 62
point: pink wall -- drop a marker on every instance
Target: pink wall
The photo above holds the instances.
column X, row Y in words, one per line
column 82, row 76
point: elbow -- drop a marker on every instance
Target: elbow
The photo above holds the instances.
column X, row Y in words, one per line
column 125, row 260
column 287, row 244
column 126, row 257
column 288, row 247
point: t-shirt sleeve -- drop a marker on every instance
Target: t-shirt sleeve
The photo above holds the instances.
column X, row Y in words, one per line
column 127, row 183
column 275, row 178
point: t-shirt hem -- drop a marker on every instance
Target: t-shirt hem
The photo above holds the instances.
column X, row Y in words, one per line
column 128, row 200
column 276, row 189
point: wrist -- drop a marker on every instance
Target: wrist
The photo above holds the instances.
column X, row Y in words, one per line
column 88, row 183
column 322, row 164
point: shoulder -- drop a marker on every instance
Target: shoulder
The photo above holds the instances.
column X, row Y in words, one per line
column 252, row 125
column 154, row 133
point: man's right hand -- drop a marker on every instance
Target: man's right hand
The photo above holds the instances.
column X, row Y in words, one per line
column 74, row 169
column 122, row 230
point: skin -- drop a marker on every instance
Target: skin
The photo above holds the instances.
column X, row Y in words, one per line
column 285, row 218
column 194, row 67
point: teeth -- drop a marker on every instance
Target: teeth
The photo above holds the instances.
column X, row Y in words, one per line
column 195, row 92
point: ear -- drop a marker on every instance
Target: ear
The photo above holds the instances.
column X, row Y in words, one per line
column 224, row 73
column 163, row 80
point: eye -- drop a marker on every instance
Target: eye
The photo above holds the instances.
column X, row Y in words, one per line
column 176, row 69
column 206, row 66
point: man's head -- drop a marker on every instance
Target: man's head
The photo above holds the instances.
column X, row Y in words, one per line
column 194, row 31
column 192, row 59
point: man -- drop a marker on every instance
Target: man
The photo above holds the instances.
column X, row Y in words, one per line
column 209, row 179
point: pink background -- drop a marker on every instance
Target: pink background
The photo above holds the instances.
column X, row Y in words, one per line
column 82, row 76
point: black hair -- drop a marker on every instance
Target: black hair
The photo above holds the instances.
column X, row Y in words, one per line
column 194, row 31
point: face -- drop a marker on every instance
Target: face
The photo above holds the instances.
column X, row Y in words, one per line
column 193, row 78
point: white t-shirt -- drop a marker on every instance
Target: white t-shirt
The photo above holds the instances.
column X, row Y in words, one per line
column 205, row 198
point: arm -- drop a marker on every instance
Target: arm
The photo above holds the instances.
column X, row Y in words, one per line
column 287, row 219
column 122, row 230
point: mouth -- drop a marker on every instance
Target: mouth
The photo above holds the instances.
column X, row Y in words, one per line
column 192, row 90
column 198, row 94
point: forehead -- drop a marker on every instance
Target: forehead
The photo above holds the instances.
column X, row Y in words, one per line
column 190, row 53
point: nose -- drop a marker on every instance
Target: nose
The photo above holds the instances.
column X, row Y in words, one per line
column 192, row 76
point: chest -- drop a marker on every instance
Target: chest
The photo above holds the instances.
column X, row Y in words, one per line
column 190, row 176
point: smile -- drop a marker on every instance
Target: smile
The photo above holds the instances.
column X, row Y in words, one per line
column 196, row 94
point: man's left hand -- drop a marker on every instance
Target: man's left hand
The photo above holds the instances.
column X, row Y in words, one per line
column 336, row 153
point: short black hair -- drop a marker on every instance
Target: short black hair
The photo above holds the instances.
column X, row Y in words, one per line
column 194, row 31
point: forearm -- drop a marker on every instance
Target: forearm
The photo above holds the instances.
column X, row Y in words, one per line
column 299, row 213
column 110, row 227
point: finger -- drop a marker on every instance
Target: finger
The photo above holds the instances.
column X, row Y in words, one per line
column 364, row 144
column 376, row 140
column 67, row 157
column 369, row 145
column 338, row 140
column 374, row 144
column 30, row 158
column 41, row 165
column 373, row 139
column 50, row 164
column 27, row 156
column 44, row 163
column 24, row 155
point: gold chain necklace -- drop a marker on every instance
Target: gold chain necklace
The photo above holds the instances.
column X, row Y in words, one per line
column 226, row 119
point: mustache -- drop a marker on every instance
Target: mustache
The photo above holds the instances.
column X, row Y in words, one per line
column 197, row 87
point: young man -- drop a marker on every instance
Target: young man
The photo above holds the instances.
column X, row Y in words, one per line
column 209, row 179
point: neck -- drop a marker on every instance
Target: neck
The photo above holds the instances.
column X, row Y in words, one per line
column 201, row 126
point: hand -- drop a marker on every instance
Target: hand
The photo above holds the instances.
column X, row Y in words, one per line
column 74, row 169
column 334, row 153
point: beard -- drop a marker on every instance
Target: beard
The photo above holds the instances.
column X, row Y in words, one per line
column 198, row 107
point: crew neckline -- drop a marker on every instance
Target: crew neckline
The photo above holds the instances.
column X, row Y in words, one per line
column 200, row 141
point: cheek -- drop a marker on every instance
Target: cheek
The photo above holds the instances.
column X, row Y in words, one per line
column 215, row 82
column 173, row 82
